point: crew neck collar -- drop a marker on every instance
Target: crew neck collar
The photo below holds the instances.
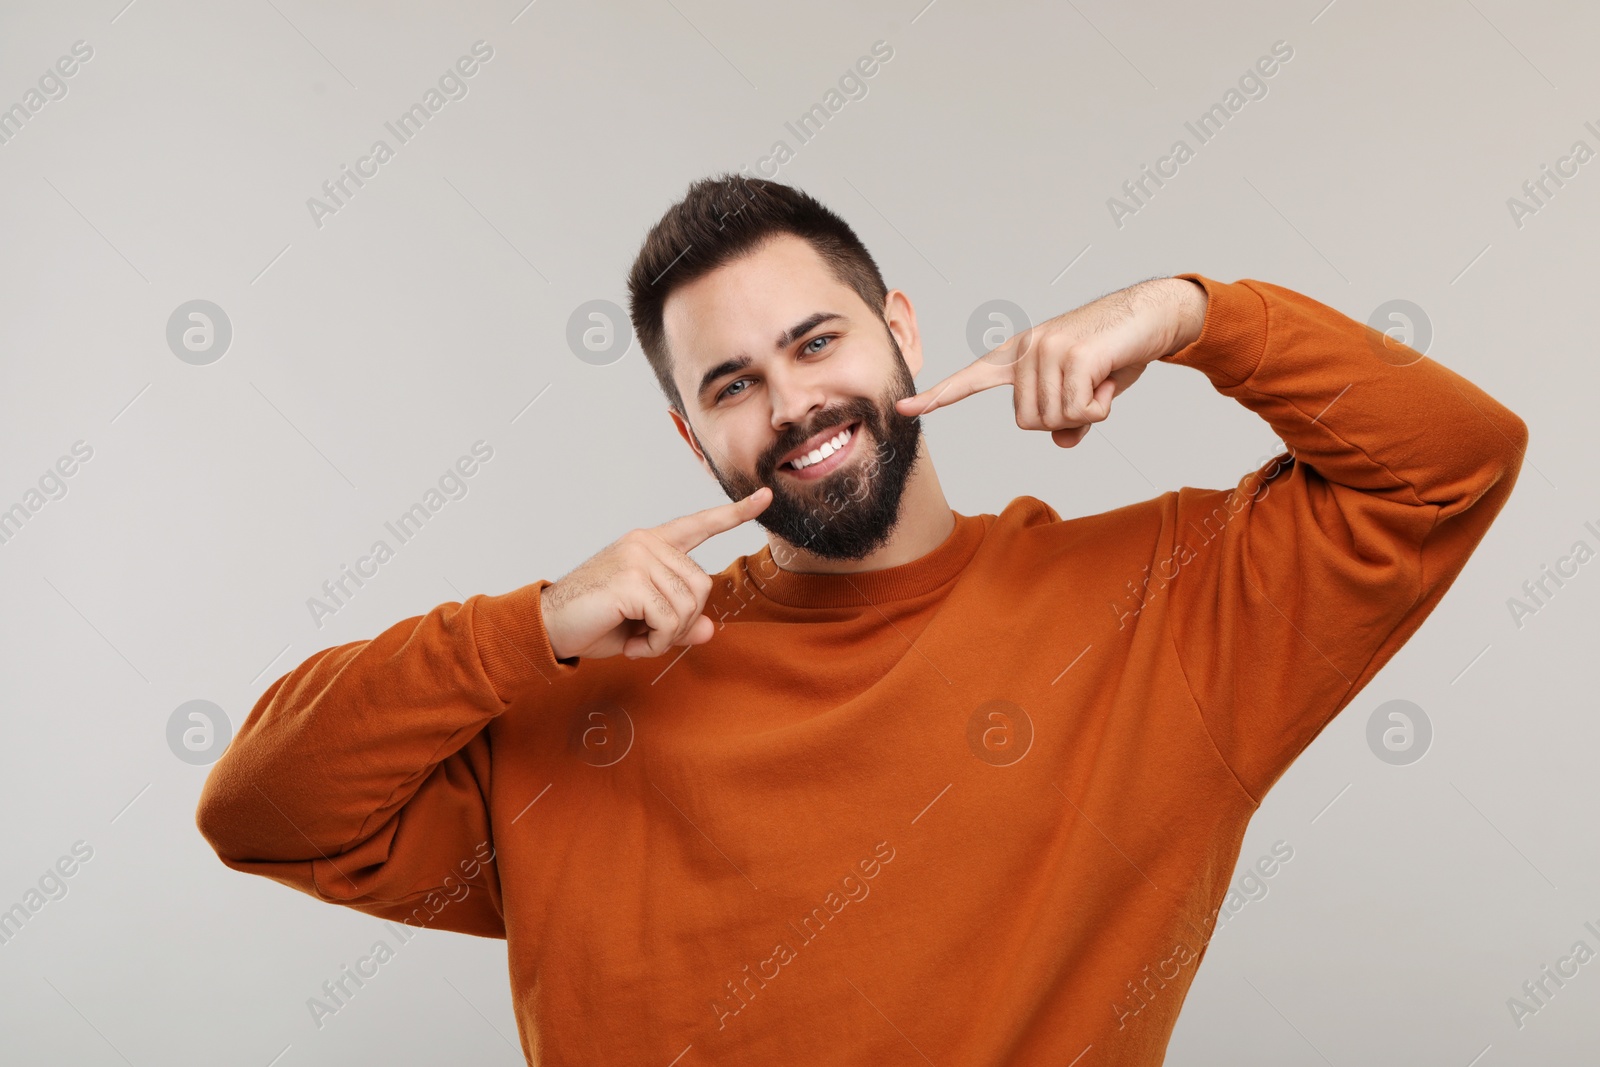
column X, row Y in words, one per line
column 921, row 575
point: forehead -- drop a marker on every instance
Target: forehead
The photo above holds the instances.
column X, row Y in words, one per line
column 744, row 305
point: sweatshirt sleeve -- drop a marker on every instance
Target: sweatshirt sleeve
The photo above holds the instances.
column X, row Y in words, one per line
column 1290, row 591
column 361, row 777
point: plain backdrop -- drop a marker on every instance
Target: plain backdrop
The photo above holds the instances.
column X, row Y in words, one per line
column 372, row 346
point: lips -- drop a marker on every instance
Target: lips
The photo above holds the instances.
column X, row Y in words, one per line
column 816, row 441
column 831, row 463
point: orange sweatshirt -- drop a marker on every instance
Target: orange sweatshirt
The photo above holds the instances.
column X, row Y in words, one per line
column 978, row 809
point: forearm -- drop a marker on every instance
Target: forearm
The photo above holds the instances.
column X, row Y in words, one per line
column 1290, row 591
column 338, row 744
column 1418, row 432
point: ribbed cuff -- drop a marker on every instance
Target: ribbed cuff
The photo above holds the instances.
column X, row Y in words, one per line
column 511, row 639
column 1234, row 335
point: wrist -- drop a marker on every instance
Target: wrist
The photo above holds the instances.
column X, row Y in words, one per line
column 1189, row 302
column 544, row 616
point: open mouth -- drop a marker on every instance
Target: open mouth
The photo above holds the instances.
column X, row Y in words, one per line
column 830, row 454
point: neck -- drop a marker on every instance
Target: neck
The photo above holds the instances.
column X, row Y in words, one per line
column 924, row 523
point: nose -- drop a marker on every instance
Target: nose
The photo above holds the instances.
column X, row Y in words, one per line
column 796, row 396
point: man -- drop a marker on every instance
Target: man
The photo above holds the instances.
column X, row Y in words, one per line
column 907, row 785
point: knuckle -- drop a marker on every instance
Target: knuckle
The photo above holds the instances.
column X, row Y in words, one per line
column 693, row 573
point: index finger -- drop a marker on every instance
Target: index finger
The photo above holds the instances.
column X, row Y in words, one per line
column 688, row 531
column 986, row 373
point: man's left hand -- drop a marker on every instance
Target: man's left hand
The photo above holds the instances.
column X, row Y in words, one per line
column 1065, row 371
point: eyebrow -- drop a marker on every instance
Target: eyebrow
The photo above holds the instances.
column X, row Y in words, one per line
column 785, row 339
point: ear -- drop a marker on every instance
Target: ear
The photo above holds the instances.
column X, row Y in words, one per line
column 902, row 320
column 688, row 437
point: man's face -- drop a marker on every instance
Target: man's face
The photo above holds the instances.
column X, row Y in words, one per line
column 774, row 356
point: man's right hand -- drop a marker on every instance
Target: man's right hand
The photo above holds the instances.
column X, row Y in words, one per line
column 642, row 594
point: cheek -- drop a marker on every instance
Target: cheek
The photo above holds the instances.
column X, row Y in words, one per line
column 742, row 441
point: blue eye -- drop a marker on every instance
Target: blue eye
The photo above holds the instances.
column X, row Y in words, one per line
column 805, row 349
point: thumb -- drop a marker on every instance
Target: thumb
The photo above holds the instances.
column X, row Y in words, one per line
column 1102, row 397
column 1098, row 406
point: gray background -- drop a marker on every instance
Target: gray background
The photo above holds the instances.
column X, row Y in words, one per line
column 369, row 353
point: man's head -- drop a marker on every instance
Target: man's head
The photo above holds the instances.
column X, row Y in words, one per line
column 770, row 330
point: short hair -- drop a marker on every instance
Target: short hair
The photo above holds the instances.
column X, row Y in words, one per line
column 720, row 219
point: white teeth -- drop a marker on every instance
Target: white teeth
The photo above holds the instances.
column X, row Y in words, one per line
column 818, row 454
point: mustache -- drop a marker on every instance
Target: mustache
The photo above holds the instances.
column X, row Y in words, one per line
column 863, row 412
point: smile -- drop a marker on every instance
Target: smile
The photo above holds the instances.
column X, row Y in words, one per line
column 826, row 457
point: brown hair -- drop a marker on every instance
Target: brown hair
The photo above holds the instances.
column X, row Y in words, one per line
column 720, row 219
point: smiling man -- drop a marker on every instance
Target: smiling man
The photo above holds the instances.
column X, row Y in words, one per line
column 809, row 411
column 898, row 787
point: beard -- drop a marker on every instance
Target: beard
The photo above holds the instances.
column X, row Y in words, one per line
column 850, row 512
